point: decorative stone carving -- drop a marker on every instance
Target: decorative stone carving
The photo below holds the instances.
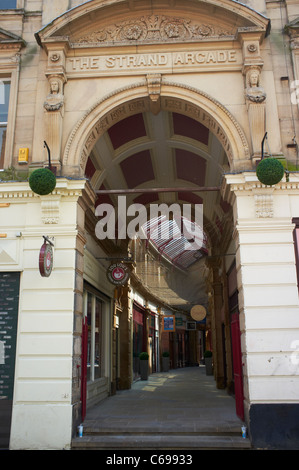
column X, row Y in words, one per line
column 252, row 48
column 154, row 28
column 54, row 106
column 254, row 92
column 256, row 97
column 154, row 91
column 50, row 207
column 55, row 99
column 55, row 57
column 263, row 205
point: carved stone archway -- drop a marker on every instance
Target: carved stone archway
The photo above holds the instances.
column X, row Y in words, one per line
column 174, row 97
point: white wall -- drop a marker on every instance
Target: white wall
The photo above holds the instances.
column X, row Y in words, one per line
column 268, row 292
column 42, row 405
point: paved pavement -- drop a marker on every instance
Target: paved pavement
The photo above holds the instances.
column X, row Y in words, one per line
column 182, row 404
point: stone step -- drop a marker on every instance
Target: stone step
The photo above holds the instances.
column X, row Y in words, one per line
column 164, row 441
column 94, row 431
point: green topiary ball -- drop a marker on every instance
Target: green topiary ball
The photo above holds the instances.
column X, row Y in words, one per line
column 270, row 171
column 42, row 181
column 143, row 356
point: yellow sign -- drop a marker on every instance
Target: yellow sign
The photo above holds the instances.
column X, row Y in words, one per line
column 23, row 155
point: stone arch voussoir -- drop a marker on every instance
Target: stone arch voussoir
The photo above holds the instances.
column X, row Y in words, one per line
column 175, row 97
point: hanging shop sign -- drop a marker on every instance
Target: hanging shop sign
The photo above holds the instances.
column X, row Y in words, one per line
column 46, row 260
column 118, row 274
column 168, row 323
column 198, row 312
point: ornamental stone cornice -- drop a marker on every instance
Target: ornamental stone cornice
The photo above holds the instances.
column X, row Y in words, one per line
column 247, row 184
column 14, row 191
column 10, row 47
column 292, row 28
column 248, row 181
column 9, row 40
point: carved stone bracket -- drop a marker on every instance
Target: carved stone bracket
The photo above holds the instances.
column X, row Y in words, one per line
column 154, row 91
column 56, row 74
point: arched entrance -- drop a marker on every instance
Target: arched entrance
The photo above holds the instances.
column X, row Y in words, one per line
column 168, row 157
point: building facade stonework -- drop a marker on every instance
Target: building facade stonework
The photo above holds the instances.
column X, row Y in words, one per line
column 110, row 92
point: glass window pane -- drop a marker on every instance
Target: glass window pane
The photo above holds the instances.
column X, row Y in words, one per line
column 4, row 100
column 2, row 144
column 7, row 4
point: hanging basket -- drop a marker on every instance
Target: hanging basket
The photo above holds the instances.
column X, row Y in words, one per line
column 42, row 181
column 270, row 171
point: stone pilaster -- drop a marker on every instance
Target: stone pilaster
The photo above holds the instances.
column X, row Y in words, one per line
column 125, row 341
column 54, row 101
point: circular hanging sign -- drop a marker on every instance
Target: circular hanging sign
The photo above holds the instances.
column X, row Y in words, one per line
column 118, row 274
column 45, row 260
column 198, row 312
